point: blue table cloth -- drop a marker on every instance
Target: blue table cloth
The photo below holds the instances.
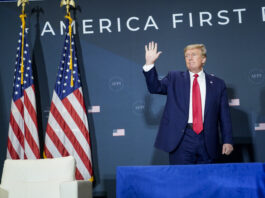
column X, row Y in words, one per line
column 242, row 180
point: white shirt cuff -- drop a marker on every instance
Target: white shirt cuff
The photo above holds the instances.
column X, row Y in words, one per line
column 147, row 68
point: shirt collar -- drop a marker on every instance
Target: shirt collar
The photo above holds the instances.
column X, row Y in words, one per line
column 201, row 73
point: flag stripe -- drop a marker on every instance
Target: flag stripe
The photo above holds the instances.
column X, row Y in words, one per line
column 82, row 128
column 78, row 107
column 18, row 113
column 68, row 118
column 56, row 141
column 69, row 133
column 16, row 131
column 29, row 105
column 75, row 117
column 32, row 147
column 19, row 107
column 28, row 154
column 79, row 96
column 78, row 174
column 31, row 125
column 12, row 152
column 67, row 144
column 31, row 95
column 15, row 143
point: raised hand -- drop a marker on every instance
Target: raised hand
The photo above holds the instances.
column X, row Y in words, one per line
column 151, row 54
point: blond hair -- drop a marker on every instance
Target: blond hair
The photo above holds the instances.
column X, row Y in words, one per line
column 196, row 46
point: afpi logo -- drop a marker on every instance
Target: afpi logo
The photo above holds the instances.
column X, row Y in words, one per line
column 256, row 76
column 138, row 107
column 116, row 84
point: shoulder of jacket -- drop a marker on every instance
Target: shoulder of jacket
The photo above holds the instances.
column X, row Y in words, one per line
column 175, row 72
column 214, row 77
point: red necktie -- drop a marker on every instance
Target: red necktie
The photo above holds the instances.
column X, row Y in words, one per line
column 196, row 106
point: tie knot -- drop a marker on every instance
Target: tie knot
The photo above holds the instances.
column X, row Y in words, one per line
column 196, row 75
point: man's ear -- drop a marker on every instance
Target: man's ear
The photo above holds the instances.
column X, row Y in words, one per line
column 204, row 60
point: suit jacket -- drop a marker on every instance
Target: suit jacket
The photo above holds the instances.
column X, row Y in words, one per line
column 176, row 85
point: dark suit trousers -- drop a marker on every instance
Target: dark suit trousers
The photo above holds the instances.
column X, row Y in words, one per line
column 191, row 150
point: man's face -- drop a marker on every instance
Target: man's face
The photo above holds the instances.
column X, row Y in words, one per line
column 194, row 60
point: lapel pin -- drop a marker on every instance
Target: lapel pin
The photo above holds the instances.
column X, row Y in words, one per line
column 211, row 82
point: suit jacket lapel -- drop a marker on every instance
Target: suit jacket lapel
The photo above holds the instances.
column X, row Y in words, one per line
column 209, row 89
column 187, row 91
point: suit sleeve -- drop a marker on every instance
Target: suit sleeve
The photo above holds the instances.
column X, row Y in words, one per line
column 154, row 85
column 225, row 118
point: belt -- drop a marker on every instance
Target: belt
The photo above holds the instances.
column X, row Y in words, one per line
column 190, row 125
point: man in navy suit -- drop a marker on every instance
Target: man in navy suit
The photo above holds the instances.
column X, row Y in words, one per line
column 195, row 110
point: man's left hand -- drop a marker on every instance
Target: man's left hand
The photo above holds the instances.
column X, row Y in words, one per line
column 227, row 149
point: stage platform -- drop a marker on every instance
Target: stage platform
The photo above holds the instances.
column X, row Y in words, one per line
column 240, row 180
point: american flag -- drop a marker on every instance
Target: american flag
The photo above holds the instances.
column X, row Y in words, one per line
column 67, row 130
column 23, row 140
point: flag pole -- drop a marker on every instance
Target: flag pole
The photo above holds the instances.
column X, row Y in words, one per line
column 22, row 3
column 69, row 3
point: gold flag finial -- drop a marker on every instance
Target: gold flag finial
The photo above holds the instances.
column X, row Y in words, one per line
column 23, row 3
column 67, row 3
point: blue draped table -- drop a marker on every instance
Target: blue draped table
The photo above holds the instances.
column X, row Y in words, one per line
column 242, row 180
